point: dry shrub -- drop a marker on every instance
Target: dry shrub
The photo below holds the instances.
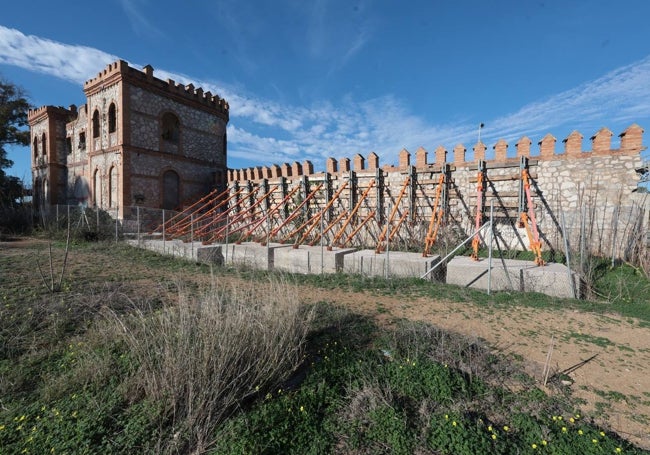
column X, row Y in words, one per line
column 203, row 356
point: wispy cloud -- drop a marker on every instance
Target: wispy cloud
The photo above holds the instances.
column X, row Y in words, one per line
column 139, row 23
column 263, row 132
column 73, row 63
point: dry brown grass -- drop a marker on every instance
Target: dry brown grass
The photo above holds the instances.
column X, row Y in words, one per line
column 204, row 356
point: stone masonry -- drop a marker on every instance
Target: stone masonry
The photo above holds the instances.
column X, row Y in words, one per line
column 138, row 140
column 587, row 194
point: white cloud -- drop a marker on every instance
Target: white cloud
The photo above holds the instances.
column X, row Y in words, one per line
column 70, row 62
column 263, row 132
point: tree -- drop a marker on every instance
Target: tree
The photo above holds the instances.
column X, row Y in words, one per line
column 13, row 119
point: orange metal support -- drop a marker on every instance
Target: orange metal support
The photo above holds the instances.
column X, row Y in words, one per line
column 436, row 218
column 382, row 236
column 168, row 225
column 271, row 212
column 315, row 220
column 476, row 241
column 329, row 226
column 352, row 213
column 202, row 231
column 358, row 228
column 183, row 227
column 248, row 213
column 396, row 227
column 531, row 229
column 296, row 212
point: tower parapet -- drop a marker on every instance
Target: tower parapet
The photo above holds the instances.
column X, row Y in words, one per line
column 120, row 70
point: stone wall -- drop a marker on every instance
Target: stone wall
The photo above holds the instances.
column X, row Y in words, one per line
column 594, row 192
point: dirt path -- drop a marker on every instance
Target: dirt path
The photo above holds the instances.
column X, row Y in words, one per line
column 615, row 383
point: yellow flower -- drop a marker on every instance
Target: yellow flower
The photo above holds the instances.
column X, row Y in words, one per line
column 577, row 416
column 602, row 433
column 302, row 409
column 453, row 423
column 506, row 428
column 618, row 450
column 595, row 441
column 2, row 427
column 490, row 428
column 447, row 416
column 580, row 432
column 563, row 429
column 494, row 436
column 544, row 442
column 572, row 420
column 534, row 446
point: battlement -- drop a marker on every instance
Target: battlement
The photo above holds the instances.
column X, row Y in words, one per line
column 39, row 113
column 122, row 69
column 631, row 143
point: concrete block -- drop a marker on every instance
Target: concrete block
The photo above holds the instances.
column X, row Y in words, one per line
column 551, row 279
column 392, row 264
column 307, row 259
column 252, row 254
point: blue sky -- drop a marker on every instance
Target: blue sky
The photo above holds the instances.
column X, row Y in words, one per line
column 319, row 78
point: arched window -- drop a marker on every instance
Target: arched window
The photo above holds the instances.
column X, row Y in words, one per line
column 97, row 187
column 112, row 187
column 96, row 123
column 35, row 146
column 171, row 190
column 44, row 144
column 112, row 119
column 171, row 127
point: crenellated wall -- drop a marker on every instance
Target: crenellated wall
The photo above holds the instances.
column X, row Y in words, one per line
column 592, row 190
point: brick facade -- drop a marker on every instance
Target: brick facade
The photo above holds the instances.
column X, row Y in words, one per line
column 137, row 140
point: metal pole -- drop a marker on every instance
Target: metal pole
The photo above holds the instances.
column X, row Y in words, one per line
column 192, row 233
column 442, row 261
column 57, row 214
column 225, row 260
column 322, row 246
column 387, row 267
column 268, row 239
column 163, row 230
column 490, row 248
column 137, row 211
column 566, row 253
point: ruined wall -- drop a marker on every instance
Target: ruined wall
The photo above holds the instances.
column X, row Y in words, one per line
column 591, row 190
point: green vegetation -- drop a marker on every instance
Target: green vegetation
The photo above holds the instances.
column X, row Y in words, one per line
column 140, row 353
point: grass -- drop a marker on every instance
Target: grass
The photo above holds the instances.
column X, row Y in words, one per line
column 140, row 353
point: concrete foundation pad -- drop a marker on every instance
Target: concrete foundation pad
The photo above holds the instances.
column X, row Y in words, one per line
column 400, row 264
column 525, row 276
column 195, row 251
column 252, row 254
column 307, row 259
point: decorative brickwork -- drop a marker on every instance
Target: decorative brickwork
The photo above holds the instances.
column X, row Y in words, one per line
column 138, row 139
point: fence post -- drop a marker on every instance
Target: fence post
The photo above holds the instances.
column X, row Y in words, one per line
column 387, row 267
column 163, row 230
column 137, row 211
column 57, row 215
column 192, row 233
column 490, row 248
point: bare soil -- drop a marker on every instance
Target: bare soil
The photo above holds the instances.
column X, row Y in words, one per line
column 609, row 355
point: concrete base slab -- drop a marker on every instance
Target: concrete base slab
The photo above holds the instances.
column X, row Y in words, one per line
column 307, row 259
column 400, row 264
column 196, row 251
column 252, row 254
column 525, row 276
